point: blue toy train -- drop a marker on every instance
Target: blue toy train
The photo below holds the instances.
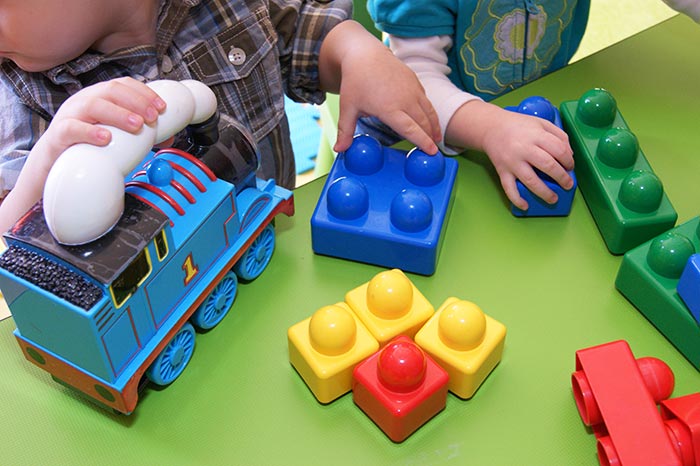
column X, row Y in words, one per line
column 108, row 316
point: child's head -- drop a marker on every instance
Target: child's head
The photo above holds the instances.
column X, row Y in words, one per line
column 40, row 34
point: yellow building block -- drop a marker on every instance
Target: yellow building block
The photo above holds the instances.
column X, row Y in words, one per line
column 390, row 305
column 325, row 348
column 467, row 343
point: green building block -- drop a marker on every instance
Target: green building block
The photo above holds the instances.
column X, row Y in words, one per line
column 624, row 195
column 648, row 277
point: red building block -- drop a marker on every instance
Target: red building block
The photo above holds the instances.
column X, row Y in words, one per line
column 617, row 395
column 682, row 417
column 400, row 388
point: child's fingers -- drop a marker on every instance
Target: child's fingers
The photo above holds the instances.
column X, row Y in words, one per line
column 109, row 113
column 347, row 120
column 556, row 143
column 418, row 128
column 134, row 96
column 96, row 104
column 71, row 131
column 424, row 115
column 545, row 163
column 529, row 178
column 511, row 190
column 409, row 129
column 432, row 116
column 98, row 136
column 141, row 89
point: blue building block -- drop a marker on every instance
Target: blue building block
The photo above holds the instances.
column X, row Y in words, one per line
column 385, row 206
column 543, row 108
column 689, row 286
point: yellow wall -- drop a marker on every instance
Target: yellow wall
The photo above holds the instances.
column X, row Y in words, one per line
column 610, row 21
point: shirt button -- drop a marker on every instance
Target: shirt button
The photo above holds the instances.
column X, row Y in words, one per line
column 166, row 65
column 236, row 56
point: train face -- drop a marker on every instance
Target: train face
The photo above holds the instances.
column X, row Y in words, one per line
column 100, row 316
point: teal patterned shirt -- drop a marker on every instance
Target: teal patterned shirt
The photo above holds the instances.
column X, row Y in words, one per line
column 497, row 45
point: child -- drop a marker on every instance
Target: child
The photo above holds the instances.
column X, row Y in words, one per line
column 467, row 52
column 68, row 65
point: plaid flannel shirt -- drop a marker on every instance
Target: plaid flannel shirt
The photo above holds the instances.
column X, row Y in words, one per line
column 250, row 52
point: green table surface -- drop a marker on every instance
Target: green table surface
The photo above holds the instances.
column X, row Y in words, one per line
column 549, row 280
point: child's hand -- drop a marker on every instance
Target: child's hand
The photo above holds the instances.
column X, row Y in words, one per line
column 520, row 142
column 376, row 83
column 373, row 82
column 123, row 103
column 516, row 145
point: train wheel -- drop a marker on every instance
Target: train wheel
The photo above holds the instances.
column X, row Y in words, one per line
column 217, row 304
column 258, row 255
column 174, row 358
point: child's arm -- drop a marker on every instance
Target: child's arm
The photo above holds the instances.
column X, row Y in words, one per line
column 123, row 103
column 514, row 143
column 372, row 81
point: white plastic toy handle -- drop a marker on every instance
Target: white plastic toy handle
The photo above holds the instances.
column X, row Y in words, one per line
column 84, row 192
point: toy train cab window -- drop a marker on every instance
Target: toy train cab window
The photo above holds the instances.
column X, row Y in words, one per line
column 130, row 279
column 161, row 245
